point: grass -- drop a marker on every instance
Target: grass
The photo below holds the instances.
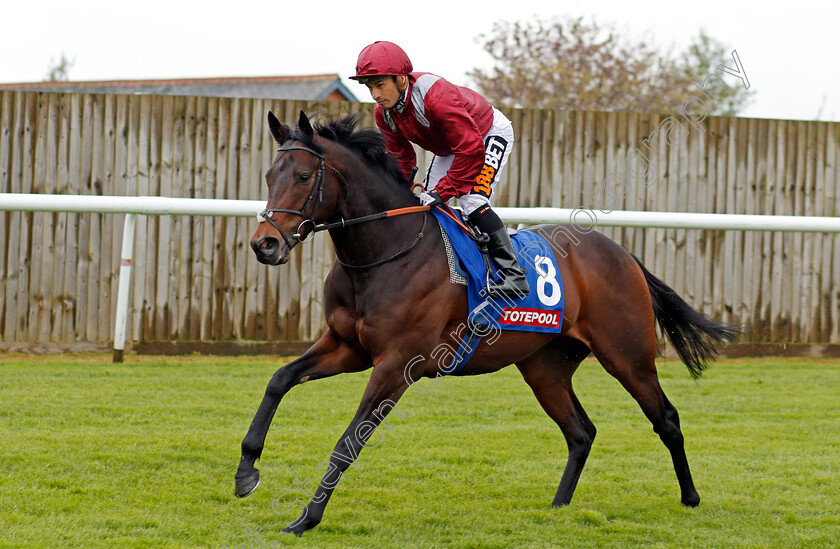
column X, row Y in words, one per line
column 143, row 455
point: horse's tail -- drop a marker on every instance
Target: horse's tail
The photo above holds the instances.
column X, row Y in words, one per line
column 693, row 334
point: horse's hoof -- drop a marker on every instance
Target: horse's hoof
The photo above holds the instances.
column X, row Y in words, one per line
column 301, row 525
column 692, row 500
column 247, row 483
column 290, row 530
column 298, row 529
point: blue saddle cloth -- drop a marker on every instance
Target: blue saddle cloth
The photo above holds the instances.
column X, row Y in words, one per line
column 540, row 311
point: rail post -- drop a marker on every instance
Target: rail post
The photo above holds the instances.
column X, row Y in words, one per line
column 125, row 284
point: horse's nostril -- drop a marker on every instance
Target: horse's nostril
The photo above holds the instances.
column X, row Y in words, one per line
column 267, row 246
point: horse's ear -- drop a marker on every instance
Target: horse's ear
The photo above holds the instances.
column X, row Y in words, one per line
column 304, row 125
column 281, row 132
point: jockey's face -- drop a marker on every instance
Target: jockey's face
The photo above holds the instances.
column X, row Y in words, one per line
column 386, row 91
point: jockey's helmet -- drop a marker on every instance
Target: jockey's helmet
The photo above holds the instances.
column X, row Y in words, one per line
column 381, row 59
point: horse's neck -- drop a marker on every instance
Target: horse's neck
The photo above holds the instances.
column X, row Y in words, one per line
column 372, row 241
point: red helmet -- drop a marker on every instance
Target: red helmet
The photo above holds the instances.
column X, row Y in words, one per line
column 382, row 59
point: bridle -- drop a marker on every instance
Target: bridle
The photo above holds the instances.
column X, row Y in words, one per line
column 317, row 191
column 317, row 195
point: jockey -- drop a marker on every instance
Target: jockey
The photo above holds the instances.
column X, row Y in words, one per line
column 471, row 141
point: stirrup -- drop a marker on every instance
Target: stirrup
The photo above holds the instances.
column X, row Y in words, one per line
column 515, row 287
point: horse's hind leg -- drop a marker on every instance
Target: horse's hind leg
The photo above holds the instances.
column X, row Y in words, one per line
column 633, row 363
column 549, row 374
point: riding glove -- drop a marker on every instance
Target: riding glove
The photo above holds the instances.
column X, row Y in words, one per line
column 430, row 199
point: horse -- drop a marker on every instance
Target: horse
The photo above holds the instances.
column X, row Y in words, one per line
column 388, row 304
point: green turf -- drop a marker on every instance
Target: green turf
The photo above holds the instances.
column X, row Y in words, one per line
column 143, row 455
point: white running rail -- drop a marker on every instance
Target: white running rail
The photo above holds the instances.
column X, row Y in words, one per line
column 585, row 219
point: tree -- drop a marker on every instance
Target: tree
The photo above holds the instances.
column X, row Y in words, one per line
column 701, row 59
column 60, row 72
column 572, row 64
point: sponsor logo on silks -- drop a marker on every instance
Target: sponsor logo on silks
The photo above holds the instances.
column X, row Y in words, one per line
column 530, row 317
column 494, row 151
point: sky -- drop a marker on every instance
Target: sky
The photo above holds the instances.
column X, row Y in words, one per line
column 789, row 53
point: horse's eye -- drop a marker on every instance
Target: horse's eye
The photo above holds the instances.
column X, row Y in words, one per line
column 304, row 177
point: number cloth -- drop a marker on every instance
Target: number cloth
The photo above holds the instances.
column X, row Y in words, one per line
column 539, row 311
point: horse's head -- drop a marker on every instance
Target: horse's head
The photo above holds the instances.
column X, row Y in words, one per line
column 303, row 190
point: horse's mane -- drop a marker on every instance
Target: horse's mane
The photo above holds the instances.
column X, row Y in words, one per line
column 367, row 143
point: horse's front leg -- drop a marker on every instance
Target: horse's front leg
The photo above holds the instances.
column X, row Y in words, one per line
column 327, row 357
column 385, row 387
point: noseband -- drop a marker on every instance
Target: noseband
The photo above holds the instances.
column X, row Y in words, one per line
column 317, row 191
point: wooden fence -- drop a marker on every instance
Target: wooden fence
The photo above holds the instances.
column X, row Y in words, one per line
column 196, row 278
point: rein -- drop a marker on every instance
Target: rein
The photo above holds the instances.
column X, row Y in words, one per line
column 397, row 255
column 317, row 189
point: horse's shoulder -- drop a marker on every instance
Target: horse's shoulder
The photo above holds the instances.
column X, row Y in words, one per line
column 338, row 290
column 339, row 306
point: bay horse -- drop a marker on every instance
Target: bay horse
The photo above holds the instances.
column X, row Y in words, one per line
column 388, row 303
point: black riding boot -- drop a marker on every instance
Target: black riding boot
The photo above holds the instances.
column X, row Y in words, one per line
column 513, row 283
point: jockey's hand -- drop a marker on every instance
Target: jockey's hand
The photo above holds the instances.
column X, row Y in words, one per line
column 430, row 199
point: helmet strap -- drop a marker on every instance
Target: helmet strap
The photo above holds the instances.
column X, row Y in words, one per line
column 400, row 105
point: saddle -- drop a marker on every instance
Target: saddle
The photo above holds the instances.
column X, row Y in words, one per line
column 482, row 242
column 540, row 311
